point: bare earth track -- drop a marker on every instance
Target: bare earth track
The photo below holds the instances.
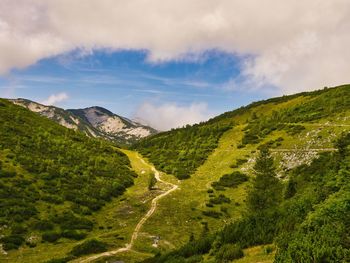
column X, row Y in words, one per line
column 154, row 204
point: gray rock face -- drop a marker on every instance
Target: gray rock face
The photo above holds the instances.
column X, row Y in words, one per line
column 93, row 121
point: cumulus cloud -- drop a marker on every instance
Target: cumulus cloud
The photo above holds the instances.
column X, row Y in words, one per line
column 294, row 45
column 170, row 115
column 55, row 98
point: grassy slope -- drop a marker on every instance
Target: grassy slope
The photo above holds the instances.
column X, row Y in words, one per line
column 181, row 214
column 113, row 223
column 118, row 218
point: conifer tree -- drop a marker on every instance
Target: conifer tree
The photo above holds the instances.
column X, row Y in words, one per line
column 151, row 181
column 266, row 189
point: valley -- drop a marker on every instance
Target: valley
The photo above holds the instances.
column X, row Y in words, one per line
column 205, row 175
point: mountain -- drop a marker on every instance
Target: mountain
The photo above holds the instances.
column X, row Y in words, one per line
column 181, row 151
column 275, row 187
column 93, row 121
column 53, row 179
column 268, row 182
column 111, row 126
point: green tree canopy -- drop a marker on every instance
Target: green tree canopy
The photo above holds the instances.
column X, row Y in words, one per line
column 266, row 189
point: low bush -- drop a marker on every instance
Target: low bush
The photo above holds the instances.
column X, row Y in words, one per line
column 89, row 247
column 219, row 200
column 12, row 241
column 230, row 180
column 229, row 252
column 50, row 236
column 212, row 214
column 74, row 234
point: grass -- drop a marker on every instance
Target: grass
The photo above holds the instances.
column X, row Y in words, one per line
column 118, row 219
column 257, row 254
column 180, row 214
column 128, row 257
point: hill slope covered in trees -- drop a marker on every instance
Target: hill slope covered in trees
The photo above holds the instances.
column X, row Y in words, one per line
column 265, row 182
column 289, row 211
column 306, row 217
column 181, row 151
column 52, row 178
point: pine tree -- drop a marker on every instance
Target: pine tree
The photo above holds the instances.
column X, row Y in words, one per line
column 266, row 189
column 151, row 181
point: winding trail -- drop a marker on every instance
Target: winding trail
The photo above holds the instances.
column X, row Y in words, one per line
column 154, row 204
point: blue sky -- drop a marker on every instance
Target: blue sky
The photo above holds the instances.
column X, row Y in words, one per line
column 122, row 81
column 170, row 63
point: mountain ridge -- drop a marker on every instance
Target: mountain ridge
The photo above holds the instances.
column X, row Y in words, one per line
column 93, row 121
column 211, row 217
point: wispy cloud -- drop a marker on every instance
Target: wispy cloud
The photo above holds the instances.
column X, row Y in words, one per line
column 178, row 81
column 169, row 115
column 55, row 98
column 41, row 79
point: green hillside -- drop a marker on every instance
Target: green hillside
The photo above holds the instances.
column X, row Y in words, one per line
column 263, row 183
column 53, row 180
column 301, row 131
column 307, row 217
column 181, row 151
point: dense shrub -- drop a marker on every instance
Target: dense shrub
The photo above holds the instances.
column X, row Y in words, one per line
column 228, row 252
column 69, row 221
column 231, row 180
column 219, row 200
column 74, row 234
column 44, row 225
column 212, row 214
column 50, row 236
column 89, row 247
column 12, row 241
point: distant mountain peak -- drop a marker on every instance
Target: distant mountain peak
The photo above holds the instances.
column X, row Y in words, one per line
column 94, row 121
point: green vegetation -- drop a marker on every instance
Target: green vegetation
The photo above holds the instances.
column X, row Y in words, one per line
column 310, row 222
column 266, row 188
column 230, row 180
column 319, row 104
column 191, row 252
column 289, row 149
column 181, row 151
column 53, row 178
column 151, row 181
column 89, row 247
column 231, row 188
column 228, row 252
column 219, row 200
column 13, row 241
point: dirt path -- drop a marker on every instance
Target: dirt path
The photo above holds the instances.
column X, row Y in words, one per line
column 304, row 150
column 154, row 204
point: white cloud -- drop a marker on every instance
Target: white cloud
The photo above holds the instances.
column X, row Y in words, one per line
column 296, row 45
column 55, row 98
column 170, row 115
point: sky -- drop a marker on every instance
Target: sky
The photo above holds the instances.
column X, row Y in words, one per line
column 169, row 63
